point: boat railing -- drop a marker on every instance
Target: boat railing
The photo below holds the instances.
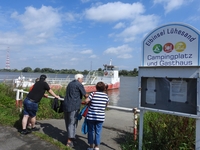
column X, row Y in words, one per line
column 61, row 81
column 92, row 76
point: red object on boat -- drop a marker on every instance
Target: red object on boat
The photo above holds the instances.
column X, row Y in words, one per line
column 92, row 88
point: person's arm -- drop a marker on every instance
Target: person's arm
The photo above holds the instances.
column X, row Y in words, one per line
column 46, row 95
column 87, row 100
column 107, row 104
column 86, row 95
column 53, row 94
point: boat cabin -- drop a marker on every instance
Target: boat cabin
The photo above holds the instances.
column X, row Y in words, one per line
column 110, row 71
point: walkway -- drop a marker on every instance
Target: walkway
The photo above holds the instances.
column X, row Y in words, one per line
column 115, row 126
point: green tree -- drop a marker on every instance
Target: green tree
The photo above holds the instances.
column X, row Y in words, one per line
column 135, row 71
column 27, row 69
column 47, row 70
column 123, row 72
column 63, row 71
column 99, row 69
column 85, row 72
column 37, row 70
column 15, row 70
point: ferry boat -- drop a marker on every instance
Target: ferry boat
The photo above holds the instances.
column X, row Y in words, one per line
column 109, row 75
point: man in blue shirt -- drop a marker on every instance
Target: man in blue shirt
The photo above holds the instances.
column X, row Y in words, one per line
column 71, row 106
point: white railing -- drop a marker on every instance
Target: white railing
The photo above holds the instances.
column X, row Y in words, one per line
column 62, row 81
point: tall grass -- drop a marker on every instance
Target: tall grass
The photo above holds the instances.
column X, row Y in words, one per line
column 164, row 132
column 168, row 132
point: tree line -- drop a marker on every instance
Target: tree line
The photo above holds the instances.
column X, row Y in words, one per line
column 133, row 72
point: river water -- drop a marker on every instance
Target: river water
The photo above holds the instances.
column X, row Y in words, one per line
column 125, row 96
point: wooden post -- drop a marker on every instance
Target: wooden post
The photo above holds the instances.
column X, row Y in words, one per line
column 135, row 124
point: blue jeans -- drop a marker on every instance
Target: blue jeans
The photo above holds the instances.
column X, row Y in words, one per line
column 94, row 131
column 30, row 108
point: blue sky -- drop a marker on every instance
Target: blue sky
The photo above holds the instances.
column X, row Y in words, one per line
column 84, row 34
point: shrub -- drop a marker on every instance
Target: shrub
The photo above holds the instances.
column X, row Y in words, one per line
column 163, row 132
column 168, row 132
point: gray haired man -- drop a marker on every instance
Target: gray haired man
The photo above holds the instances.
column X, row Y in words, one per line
column 71, row 106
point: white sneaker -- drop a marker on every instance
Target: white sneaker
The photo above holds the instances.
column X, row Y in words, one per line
column 96, row 148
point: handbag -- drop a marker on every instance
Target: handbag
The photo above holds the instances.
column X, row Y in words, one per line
column 86, row 109
column 84, row 128
column 79, row 117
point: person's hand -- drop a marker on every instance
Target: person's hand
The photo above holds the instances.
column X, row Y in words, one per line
column 46, row 95
column 57, row 96
column 83, row 103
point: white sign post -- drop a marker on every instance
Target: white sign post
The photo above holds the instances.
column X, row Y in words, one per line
column 169, row 75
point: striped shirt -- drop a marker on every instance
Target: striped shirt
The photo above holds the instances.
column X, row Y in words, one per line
column 98, row 101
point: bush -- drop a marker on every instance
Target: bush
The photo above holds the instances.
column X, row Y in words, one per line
column 168, row 132
column 163, row 132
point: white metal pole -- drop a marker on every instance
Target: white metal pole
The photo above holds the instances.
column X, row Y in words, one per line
column 197, row 140
column 17, row 95
column 17, row 99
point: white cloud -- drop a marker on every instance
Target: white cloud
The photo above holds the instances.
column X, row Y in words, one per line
column 86, row 51
column 11, row 38
column 69, row 16
column 74, row 59
column 125, row 56
column 93, row 56
column 194, row 18
column 131, row 13
column 139, row 26
column 43, row 18
column 170, row 5
column 3, row 20
column 118, row 50
column 121, row 51
column 114, row 11
column 39, row 20
column 85, row 1
column 119, row 25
